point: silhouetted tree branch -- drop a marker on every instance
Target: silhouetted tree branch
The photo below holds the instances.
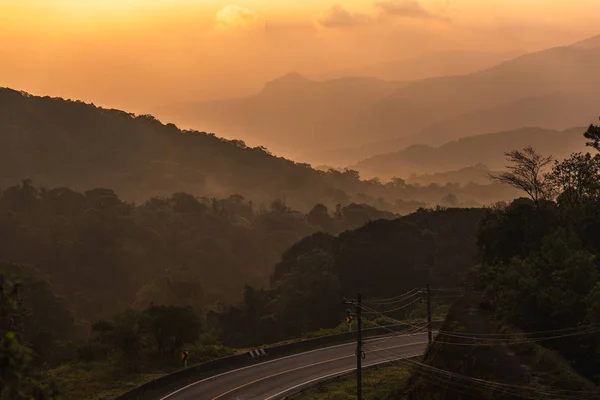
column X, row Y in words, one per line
column 526, row 172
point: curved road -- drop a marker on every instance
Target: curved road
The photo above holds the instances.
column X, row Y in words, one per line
column 274, row 379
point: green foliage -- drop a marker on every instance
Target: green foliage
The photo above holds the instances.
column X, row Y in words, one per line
column 171, row 327
column 103, row 255
column 541, row 269
column 18, row 379
column 139, row 157
column 47, row 325
column 158, row 331
column 384, row 383
column 380, row 259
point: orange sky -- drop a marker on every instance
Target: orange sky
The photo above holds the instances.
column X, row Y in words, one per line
column 138, row 54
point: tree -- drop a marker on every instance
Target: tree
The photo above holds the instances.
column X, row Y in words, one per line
column 171, row 327
column 526, row 172
column 398, row 182
column 177, row 287
column 576, row 178
column 279, row 206
column 593, row 134
column 319, row 217
column 18, row 380
column 450, row 200
column 123, row 334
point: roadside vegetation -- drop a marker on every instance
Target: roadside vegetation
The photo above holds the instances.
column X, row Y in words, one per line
column 382, row 383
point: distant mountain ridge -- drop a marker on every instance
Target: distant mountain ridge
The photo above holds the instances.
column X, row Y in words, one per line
column 64, row 143
column 337, row 122
column 427, row 65
column 487, row 149
column 288, row 112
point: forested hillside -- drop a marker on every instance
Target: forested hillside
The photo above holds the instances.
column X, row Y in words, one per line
column 531, row 324
column 177, row 250
column 62, row 143
column 100, row 276
column 383, row 258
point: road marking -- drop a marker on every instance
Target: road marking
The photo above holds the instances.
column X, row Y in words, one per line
column 339, row 373
column 305, row 366
column 279, row 373
column 279, row 359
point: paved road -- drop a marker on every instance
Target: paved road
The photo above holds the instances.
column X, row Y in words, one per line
column 273, row 379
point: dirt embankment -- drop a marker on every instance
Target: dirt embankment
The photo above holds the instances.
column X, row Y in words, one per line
column 459, row 368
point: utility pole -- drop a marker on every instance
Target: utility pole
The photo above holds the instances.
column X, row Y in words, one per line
column 429, row 314
column 359, row 352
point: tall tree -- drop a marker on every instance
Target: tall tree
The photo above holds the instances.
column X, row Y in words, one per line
column 18, row 379
column 526, row 172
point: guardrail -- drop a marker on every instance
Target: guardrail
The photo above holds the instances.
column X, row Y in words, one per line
column 156, row 389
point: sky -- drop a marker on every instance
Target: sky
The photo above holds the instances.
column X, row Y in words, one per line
column 141, row 54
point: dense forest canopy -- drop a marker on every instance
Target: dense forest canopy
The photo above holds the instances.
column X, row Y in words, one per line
column 60, row 143
column 178, row 250
column 382, row 258
column 101, row 276
column 540, row 267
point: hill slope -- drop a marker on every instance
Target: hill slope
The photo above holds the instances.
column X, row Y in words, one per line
column 523, row 370
column 428, row 65
column 57, row 143
column 290, row 112
column 550, row 88
column 481, row 149
column 418, row 105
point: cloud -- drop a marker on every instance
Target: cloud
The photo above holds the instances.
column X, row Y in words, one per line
column 407, row 9
column 235, row 16
column 337, row 17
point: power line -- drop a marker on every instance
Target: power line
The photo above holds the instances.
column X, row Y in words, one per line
column 512, row 340
column 398, row 308
column 497, row 385
column 525, row 333
column 396, row 299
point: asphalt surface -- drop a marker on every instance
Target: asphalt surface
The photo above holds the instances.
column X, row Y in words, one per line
column 274, row 379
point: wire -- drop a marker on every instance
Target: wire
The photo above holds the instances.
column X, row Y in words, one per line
column 373, row 311
column 397, row 308
column 524, row 333
column 511, row 340
column 495, row 385
column 415, row 328
column 396, row 299
column 437, row 380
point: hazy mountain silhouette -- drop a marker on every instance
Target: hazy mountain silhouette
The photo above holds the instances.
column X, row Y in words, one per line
column 485, row 149
column 419, row 105
column 554, row 88
column 290, row 112
column 478, row 173
column 64, row 143
column 428, row 65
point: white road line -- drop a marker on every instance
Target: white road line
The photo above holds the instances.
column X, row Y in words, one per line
column 277, row 359
column 339, row 373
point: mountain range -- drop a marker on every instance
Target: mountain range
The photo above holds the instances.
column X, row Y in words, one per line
column 343, row 120
column 469, row 159
column 427, row 65
column 64, row 143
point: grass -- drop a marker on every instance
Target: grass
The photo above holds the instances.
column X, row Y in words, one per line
column 95, row 381
column 106, row 379
column 383, row 383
